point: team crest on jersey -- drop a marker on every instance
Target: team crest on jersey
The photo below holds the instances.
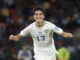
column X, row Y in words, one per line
column 33, row 33
column 46, row 31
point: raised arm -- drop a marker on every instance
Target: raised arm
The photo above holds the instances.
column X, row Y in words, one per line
column 15, row 37
column 67, row 35
column 23, row 33
column 61, row 32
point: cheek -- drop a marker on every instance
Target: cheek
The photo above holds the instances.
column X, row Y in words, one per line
column 34, row 16
column 42, row 16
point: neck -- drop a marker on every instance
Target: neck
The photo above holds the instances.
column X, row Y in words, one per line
column 39, row 23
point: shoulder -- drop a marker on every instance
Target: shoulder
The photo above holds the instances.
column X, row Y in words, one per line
column 49, row 23
column 20, row 51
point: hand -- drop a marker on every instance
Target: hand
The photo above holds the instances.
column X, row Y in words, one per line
column 11, row 37
column 70, row 35
column 15, row 37
column 67, row 35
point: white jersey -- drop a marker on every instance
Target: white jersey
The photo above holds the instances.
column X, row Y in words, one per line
column 42, row 36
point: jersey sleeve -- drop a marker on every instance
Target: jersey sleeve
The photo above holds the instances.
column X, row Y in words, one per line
column 25, row 31
column 56, row 29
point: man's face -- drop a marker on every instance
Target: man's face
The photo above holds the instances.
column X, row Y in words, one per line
column 38, row 16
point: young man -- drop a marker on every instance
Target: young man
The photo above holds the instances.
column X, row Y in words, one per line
column 42, row 34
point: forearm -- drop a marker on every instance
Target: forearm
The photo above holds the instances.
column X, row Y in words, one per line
column 65, row 34
column 15, row 37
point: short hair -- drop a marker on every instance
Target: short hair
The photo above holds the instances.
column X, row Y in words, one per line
column 39, row 8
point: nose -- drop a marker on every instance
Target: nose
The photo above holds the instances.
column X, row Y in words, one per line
column 38, row 15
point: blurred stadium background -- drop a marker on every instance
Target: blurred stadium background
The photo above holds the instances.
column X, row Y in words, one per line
column 17, row 14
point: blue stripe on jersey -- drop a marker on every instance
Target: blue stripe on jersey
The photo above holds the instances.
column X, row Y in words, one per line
column 57, row 29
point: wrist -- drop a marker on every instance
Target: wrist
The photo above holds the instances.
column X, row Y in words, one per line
column 15, row 38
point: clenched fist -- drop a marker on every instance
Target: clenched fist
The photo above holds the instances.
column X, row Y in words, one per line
column 15, row 37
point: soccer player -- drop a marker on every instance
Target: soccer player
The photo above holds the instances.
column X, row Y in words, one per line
column 42, row 33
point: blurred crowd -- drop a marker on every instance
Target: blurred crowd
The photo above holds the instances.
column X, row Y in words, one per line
column 17, row 14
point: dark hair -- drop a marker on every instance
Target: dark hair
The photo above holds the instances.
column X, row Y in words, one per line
column 39, row 8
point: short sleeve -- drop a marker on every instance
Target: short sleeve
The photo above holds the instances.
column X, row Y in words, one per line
column 26, row 31
column 56, row 29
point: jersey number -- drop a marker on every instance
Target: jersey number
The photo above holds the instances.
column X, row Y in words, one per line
column 40, row 37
